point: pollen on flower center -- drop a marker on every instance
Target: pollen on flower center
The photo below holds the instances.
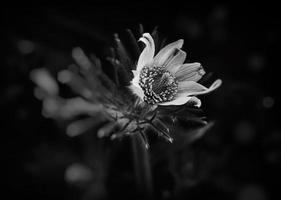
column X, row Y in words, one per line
column 158, row 84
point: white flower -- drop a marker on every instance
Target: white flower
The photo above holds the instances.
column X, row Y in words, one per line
column 165, row 79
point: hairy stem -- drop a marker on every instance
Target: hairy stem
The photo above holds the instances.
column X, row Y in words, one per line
column 142, row 167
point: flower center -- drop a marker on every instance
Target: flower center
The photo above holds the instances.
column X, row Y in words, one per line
column 158, row 84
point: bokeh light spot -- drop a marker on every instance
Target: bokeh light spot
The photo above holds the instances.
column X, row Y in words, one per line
column 268, row 102
column 25, row 46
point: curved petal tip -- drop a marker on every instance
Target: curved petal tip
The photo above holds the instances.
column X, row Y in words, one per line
column 147, row 54
column 215, row 85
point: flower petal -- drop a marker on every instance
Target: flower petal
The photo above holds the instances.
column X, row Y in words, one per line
column 188, row 88
column 177, row 101
column 181, row 99
column 137, row 90
column 190, row 72
column 136, row 78
column 195, row 101
column 147, row 54
column 167, row 52
column 175, row 63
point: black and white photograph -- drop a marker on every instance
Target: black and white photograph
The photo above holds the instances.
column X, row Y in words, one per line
column 164, row 101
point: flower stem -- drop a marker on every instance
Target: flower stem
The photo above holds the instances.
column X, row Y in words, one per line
column 142, row 167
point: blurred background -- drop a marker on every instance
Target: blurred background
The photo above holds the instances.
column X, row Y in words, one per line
column 238, row 158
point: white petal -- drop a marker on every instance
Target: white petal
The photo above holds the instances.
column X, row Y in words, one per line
column 188, row 88
column 190, row 72
column 147, row 54
column 167, row 52
column 181, row 99
column 136, row 78
column 136, row 89
column 195, row 101
column 177, row 101
column 175, row 63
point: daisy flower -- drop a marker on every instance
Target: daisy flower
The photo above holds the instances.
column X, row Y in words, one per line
column 164, row 79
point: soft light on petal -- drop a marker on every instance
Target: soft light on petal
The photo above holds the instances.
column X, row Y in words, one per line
column 147, row 54
column 167, row 53
column 136, row 78
column 190, row 72
column 137, row 90
column 177, row 101
column 188, row 88
column 181, row 99
column 175, row 63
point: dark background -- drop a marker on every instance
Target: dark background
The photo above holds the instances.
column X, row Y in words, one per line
column 239, row 43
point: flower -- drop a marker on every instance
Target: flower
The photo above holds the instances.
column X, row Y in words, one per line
column 106, row 98
column 100, row 99
column 164, row 79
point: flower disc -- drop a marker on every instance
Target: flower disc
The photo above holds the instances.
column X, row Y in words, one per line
column 158, row 84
